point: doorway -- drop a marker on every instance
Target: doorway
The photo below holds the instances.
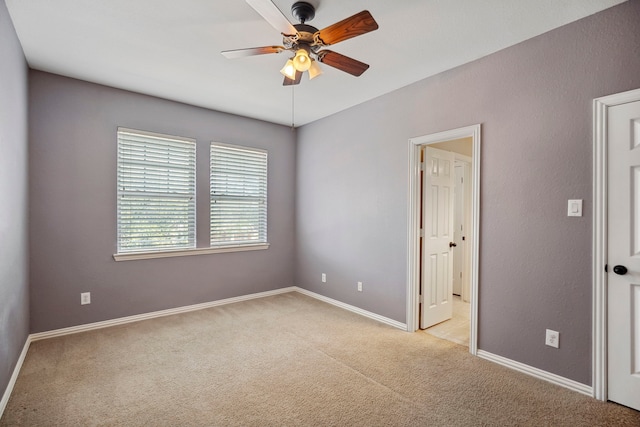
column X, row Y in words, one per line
column 463, row 147
column 454, row 326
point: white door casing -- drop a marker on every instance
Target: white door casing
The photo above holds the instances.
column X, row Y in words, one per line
column 623, row 288
column 437, row 254
column 604, row 323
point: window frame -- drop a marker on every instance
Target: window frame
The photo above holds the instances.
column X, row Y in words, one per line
column 257, row 162
column 167, row 253
column 178, row 183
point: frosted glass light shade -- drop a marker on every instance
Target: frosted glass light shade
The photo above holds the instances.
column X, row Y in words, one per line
column 301, row 61
column 289, row 70
column 314, row 70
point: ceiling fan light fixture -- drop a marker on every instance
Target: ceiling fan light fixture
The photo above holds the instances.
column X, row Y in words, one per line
column 289, row 70
column 302, row 61
column 314, row 70
column 306, row 41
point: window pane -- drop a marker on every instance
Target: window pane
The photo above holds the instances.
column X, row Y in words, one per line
column 156, row 192
column 238, row 190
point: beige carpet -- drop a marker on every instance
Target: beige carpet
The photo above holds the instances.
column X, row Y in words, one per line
column 281, row 361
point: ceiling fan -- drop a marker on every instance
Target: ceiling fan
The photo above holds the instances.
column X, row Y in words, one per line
column 307, row 42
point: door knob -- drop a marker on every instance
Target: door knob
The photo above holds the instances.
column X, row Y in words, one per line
column 620, row 269
column 453, row 245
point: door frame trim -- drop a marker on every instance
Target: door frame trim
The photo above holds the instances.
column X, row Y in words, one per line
column 413, row 227
column 600, row 146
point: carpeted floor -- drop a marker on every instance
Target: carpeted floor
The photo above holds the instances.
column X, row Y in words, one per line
column 281, row 361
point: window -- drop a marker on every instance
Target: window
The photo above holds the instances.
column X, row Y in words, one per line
column 238, row 190
column 156, row 192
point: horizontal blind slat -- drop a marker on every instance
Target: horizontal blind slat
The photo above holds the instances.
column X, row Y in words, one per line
column 238, row 190
column 156, row 192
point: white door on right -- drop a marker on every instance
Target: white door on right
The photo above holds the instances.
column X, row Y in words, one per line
column 623, row 292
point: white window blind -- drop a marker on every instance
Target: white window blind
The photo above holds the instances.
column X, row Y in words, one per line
column 156, row 192
column 238, row 189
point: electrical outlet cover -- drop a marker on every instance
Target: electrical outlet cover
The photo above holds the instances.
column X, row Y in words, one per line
column 85, row 298
column 552, row 338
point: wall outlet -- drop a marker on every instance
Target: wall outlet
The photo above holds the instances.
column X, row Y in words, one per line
column 85, row 298
column 324, row 278
column 359, row 286
column 553, row 338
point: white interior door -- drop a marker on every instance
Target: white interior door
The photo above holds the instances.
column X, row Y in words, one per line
column 623, row 291
column 437, row 260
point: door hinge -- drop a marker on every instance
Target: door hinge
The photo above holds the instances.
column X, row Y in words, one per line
column 421, row 299
column 422, row 232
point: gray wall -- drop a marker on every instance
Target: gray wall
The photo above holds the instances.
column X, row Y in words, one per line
column 534, row 101
column 14, row 284
column 72, row 155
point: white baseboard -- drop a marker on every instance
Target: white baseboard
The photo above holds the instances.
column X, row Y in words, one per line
column 14, row 376
column 538, row 373
column 353, row 309
column 535, row 372
column 145, row 316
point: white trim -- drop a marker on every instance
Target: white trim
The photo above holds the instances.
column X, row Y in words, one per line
column 145, row 316
column 238, row 147
column 537, row 373
column 413, row 238
column 185, row 309
column 353, row 309
column 188, row 252
column 14, row 376
column 599, row 233
column 414, row 220
column 166, row 136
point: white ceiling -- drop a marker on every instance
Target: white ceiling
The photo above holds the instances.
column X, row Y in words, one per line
column 171, row 49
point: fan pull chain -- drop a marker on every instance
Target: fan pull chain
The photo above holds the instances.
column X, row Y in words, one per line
column 292, row 109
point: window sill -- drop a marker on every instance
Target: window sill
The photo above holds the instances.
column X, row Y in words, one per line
column 188, row 252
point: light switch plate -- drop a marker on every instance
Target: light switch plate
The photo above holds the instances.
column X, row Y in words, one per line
column 574, row 207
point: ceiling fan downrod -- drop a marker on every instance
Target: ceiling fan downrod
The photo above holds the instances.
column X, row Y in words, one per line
column 303, row 11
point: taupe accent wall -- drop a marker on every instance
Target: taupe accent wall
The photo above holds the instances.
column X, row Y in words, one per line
column 72, row 156
column 534, row 102
column 14, row 282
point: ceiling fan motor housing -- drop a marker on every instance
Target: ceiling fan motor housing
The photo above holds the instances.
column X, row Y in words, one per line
column 303, row 11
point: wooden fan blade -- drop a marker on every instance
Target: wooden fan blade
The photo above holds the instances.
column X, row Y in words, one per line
column 356, row 25
column 241, row 53
column 343, row 63
column 273, row 16
column 288, row 82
